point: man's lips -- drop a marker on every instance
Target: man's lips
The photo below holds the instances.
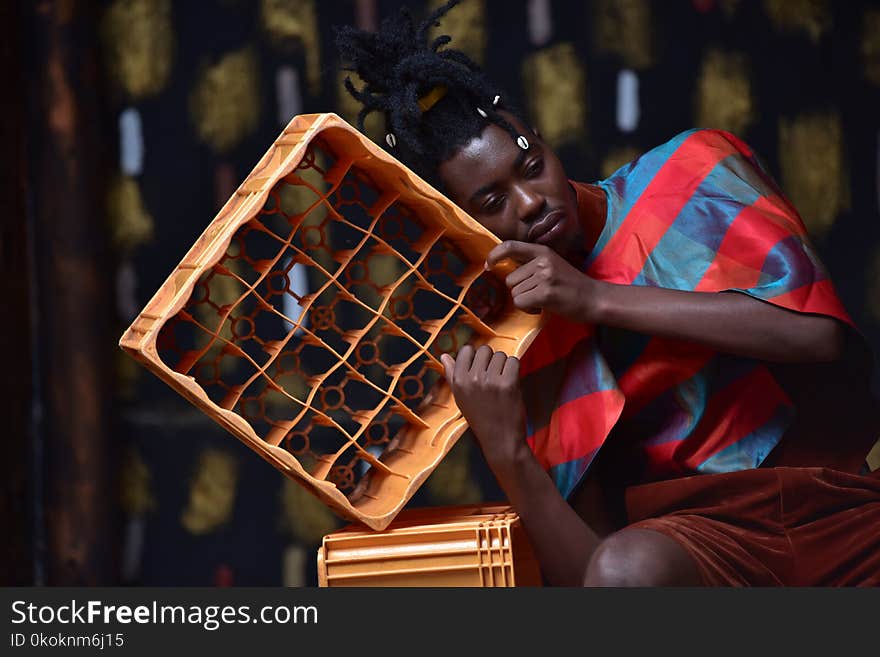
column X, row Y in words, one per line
column 545, row 224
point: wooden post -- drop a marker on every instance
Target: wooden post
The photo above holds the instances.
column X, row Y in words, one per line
column 73, row 279
column 16, row 508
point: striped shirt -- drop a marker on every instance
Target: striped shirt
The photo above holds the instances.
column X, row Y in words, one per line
column 698, row 213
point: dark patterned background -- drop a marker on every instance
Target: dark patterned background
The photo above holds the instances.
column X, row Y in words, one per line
column 189, row 95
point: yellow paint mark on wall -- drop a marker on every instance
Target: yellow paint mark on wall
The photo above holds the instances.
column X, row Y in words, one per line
column 304, row 515
column 812, row 17
column 225, row 104
column 466, row 24
column 137, row 497
column 624, row 28
column 452, row 482
column 138, row 39
column 555, row 84
column 812, row 162
column 211, row 492
column 870, row 46
column 290, row 22
column 616, row 158
column 130, row 223
column 349, row 106
column 724, row 96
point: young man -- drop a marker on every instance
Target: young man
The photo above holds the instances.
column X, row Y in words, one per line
column 697, row 409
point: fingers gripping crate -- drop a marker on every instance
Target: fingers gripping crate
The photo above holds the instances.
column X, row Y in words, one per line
column 309, row 317
column 479, row 546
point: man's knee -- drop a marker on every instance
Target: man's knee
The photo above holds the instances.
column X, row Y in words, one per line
column 641, row 557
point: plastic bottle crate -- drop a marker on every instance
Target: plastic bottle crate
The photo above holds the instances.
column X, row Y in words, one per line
column 309, row 317
column 462, row 546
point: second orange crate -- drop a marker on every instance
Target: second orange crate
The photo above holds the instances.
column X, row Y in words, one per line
column 463, row 546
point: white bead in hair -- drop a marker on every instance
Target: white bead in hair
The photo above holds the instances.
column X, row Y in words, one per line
column 482, row 112
column 522, row 142
column 391, row 140
column 495, row 101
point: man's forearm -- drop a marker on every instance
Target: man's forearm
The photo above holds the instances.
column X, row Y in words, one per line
column 733, row 323
column 561, row 540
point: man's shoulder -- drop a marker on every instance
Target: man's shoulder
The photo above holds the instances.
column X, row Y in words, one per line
column 694, row 148
column 704, row 143
column 708, row 135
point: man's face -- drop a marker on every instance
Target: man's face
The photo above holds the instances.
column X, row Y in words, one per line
column 517, row 194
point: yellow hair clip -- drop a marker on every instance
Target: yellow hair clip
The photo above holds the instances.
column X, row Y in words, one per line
column 430, row 99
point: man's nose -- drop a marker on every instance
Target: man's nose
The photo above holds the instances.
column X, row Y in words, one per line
column 530, row 204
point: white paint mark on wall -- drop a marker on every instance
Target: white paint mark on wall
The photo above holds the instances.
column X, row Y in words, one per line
column 628, row 110
column 131, row 142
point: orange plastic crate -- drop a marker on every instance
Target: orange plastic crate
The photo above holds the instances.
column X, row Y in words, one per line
column 468, row 546
column 309, row 318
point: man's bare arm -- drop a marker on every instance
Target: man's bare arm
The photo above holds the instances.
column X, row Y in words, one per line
column 732, row 323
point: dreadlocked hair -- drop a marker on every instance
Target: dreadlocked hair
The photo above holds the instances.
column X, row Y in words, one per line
column 399, row 67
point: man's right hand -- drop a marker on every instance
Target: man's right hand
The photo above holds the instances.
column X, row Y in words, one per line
column 486, row 388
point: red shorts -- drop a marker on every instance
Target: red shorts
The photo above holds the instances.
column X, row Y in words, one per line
column 769, row 526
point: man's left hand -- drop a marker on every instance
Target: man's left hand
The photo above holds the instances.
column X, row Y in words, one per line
column 546, row 281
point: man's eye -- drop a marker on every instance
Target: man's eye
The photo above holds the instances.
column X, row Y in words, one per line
column 535, row 168
column 493, row 204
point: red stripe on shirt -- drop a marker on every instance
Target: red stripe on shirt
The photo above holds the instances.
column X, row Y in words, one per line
column 555, row 341
column 577, row 428
column 660, row 459
column 731, row 415
column 671, row 189
column 743, row 251
column 736, row 142
column 779, row 211
column 662, row 365
column 818, row 297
